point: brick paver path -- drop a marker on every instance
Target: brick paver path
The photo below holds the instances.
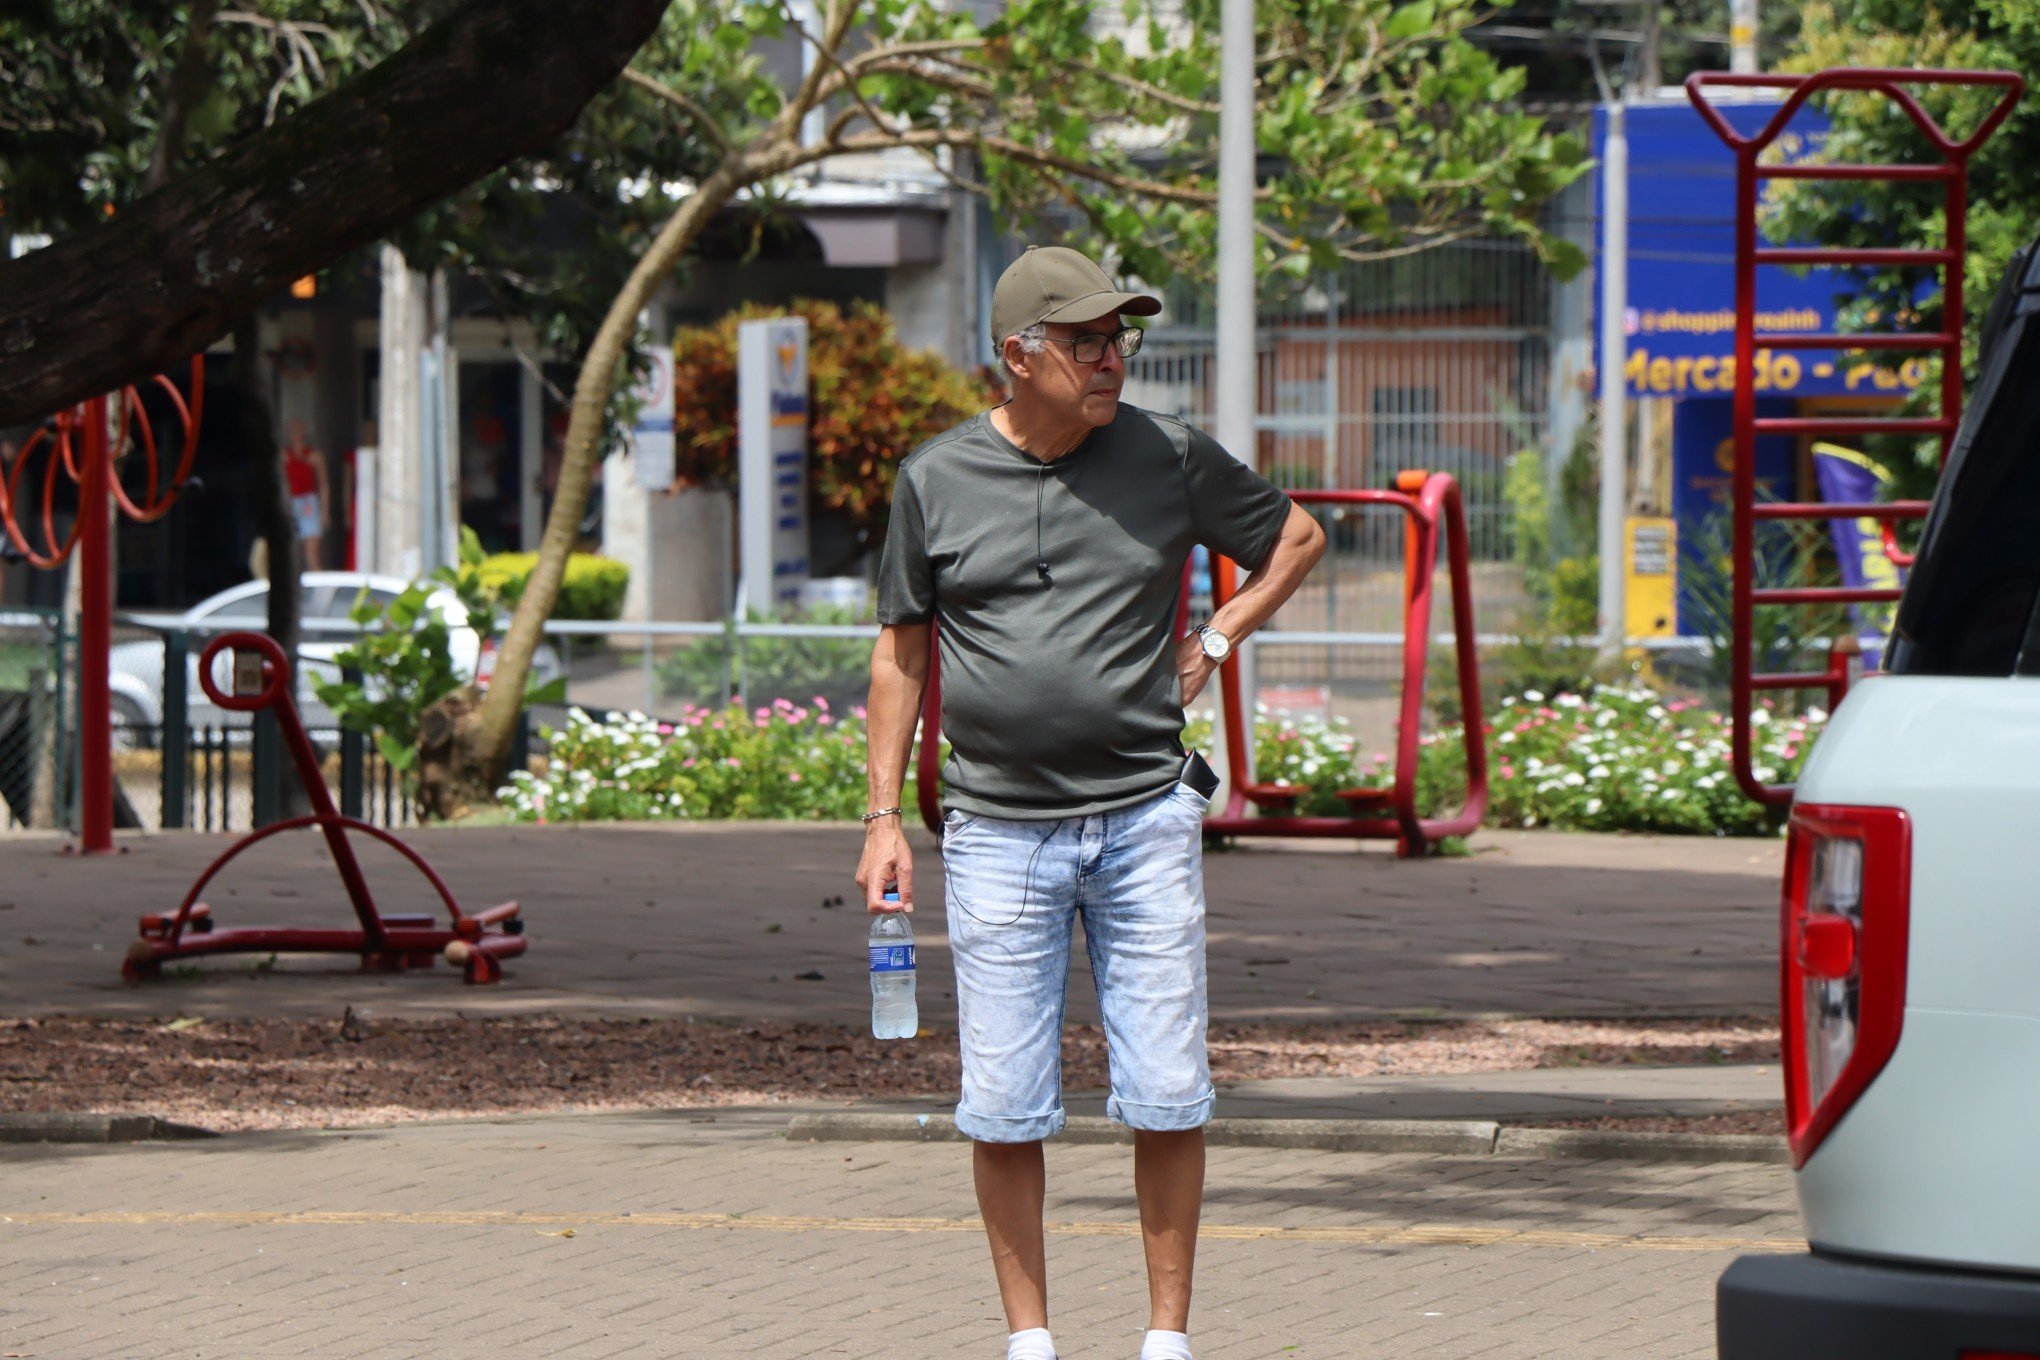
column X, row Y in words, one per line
column 696, row 1237
column 723, row 920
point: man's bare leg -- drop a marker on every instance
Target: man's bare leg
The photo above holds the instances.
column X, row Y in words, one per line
column 1168, row 1180
column 1012, row 1181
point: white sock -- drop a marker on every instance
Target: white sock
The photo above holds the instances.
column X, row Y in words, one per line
column 1032, row 1344
column 1166, row 1346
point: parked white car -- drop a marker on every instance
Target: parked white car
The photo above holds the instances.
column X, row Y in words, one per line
column 1911, row 968
column 328, row 597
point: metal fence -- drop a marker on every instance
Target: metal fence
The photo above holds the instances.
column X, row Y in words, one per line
column 1439, row 361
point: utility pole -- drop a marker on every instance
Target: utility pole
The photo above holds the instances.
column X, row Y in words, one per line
column 1236, row 389
column 1742, row 36
column 1614, row 346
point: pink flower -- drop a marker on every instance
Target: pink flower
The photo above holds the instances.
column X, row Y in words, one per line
column 733, row 762
column 826, row 721
column 793, row 776
column 665, row 729
column 821, row 703
column 762, row 715
column 857, row 711
column 687, row 764
column 782, row 703
column 696, row 720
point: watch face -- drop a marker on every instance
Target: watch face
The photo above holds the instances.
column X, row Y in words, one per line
column 1215, row 646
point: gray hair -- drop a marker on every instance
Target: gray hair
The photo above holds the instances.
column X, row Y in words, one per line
column 1033, row 340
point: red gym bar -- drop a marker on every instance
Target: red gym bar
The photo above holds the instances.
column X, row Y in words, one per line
column 1433, row 511
column 1952, row 170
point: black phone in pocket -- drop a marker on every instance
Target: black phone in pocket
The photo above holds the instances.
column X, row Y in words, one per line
column 1199, row 775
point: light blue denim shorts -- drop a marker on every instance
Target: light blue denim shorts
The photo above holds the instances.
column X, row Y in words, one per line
column 1015, row 890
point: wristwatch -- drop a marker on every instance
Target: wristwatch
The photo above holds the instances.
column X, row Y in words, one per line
column 1217, row 645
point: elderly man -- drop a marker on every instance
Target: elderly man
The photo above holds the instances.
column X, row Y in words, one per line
column 1048, row 536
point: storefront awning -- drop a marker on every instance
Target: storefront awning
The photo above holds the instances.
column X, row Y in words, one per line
column 876, row 238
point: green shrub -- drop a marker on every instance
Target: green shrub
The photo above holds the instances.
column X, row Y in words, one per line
column 782, row 762
column 592, row 589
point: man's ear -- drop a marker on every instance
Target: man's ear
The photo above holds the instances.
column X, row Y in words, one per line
column 1019, row 363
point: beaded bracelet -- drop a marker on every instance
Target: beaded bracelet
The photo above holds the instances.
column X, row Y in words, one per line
column 882, row 812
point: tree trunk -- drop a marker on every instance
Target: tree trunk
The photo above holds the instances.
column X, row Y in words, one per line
column 476, row 759
column 493, row 81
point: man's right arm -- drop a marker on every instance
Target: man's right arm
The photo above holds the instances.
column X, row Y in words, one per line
column 899, row 678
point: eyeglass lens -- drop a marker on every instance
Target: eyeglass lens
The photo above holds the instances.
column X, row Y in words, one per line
column 1090, row 348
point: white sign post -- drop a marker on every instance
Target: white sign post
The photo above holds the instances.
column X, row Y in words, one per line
column 651, row 437
column 772, row 434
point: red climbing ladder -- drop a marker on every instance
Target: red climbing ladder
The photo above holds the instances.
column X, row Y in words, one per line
column 1950, row 170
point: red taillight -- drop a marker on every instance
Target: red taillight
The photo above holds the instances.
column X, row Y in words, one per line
column 1848, row 877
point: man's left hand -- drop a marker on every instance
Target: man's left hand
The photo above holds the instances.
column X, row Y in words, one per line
column 1193, row 667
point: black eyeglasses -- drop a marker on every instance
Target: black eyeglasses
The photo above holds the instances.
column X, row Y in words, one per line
column 1089, row 348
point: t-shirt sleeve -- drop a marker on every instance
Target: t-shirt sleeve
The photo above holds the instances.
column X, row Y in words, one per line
column 906, row 583
column 1236, row 511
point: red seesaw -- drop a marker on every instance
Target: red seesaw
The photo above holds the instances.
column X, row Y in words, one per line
column 478, row 943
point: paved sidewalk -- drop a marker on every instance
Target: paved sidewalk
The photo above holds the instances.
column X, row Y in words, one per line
column 709, row 1235
column 724, row 921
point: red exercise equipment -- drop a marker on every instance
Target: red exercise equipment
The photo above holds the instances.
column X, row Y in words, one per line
column 1952, row 171
column 477, row 944
column 1431, row 508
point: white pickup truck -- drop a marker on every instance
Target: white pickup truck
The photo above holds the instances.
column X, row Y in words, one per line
column 1911, row 969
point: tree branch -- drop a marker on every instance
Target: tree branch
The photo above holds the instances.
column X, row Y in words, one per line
column 111, row 304
column 702, row 119
column 187, row 83
column 835, row 26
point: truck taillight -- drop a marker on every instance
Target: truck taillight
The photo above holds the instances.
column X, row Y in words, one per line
column 1848, row 877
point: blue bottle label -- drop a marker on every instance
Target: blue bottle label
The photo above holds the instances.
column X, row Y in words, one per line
column 892, row 958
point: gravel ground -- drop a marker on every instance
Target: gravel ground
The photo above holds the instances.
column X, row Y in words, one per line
column 355, row 1069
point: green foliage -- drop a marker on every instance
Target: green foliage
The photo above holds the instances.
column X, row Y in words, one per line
column 1783, row 637
column 714, row 671
column 1370, row 143
column 871, row 402
column 2004, row 198
column 405, row 656
column 786, row 761
column 1620, row 759
column 593, row 587
column 1612, row 758
column 86, row 89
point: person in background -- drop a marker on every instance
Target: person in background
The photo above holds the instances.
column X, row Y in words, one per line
column 305, row 481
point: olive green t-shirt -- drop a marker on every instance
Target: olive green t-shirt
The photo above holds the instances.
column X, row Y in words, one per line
column 1054, row 590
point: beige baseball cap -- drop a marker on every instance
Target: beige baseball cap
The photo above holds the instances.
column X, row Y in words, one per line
column 1055, row 283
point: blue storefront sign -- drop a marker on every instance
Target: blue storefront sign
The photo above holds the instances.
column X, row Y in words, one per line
column 1680, row 318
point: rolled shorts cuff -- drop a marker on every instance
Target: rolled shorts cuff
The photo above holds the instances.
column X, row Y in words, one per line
column 1161, row 1118
column 990, row 1128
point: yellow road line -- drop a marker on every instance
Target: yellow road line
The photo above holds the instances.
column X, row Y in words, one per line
column 1403, row 1234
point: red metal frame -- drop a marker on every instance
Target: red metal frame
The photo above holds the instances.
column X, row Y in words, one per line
column 76, row 446
column 477, row 943
column 1429, row 503
column 1952, row 170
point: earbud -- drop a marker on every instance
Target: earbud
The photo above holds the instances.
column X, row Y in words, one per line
column 1042, row 569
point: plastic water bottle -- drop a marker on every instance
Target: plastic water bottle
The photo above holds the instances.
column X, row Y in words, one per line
column 894, row 1014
